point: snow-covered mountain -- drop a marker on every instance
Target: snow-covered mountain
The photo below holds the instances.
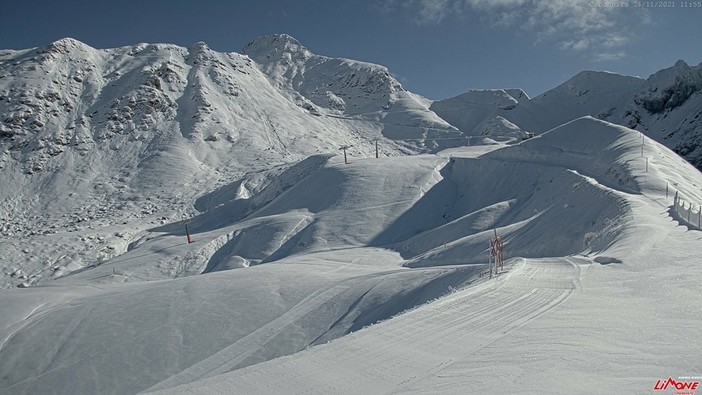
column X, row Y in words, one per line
column 104, row 143
column 346, row 88
column 666, row 107
column 179, row 220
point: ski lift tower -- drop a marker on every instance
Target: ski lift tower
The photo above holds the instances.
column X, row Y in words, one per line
column 344, row 148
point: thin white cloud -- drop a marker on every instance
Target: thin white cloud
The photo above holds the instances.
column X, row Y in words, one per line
column 432, row 11
column 609, row 56
column 575, row 45
column 600, row 28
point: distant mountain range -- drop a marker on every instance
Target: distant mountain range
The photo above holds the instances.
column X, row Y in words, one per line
column 277, row 99
column 666, row 107
column 98, row 138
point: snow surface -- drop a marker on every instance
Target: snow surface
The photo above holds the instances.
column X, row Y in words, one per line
column 307, row 274
column 348, row 246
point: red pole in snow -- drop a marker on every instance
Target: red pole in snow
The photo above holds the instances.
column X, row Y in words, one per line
column 497, row 251
column 187, row 233
column 492, row 254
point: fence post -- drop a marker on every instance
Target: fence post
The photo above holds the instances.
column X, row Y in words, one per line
column 687, row 213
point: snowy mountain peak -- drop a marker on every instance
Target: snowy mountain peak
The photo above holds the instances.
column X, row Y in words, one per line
column 65, row 46
column 590, row 81
column 342, row 87
column 681, row 65
column 681, row 70
column 200, row 46
column 271, row 48
column 670, row 88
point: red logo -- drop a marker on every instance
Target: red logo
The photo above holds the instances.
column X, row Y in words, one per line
column 682, row 387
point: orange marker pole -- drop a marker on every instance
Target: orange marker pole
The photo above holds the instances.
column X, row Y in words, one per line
column 187, row 233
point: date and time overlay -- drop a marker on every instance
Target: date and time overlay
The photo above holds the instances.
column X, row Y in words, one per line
column 645, row 4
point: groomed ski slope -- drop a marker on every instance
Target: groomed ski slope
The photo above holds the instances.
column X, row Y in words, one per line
column 601, row 291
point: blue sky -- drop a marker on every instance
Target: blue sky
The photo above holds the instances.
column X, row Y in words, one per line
column 437, row 48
